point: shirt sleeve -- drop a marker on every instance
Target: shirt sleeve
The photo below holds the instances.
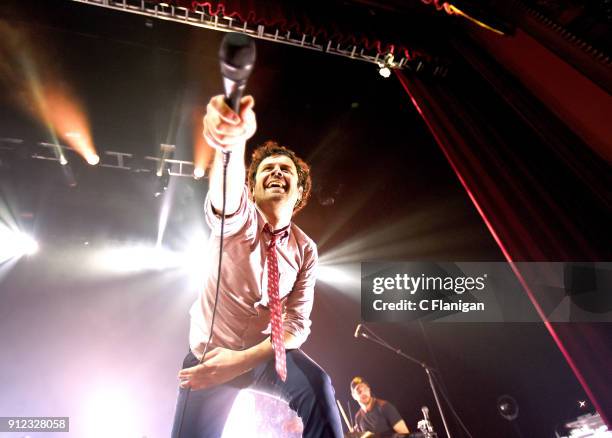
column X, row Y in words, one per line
column 233, row 223
column 391, row 414
column 300, row 299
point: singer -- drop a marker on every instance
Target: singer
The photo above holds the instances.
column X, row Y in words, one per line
column 266, row 293
column 376, row 417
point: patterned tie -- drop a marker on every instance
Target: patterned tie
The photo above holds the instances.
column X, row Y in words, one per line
column 276, row 319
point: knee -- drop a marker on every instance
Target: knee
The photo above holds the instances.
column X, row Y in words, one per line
column 322, row 381
column 321, row 384
column 326, row 381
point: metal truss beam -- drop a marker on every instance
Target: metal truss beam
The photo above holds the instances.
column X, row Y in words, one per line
column 111, row 159
column 199, row 18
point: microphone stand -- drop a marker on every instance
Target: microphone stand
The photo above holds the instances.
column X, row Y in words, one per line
column 375, row 338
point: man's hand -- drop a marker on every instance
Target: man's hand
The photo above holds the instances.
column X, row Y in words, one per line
column 223, row 128
column 225, row 131
column 221, row 365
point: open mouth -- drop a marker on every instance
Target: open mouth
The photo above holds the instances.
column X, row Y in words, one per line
column 276, row 185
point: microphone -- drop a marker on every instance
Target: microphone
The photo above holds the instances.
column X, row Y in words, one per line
column 236, row 59
column 357, row 330
column 426, row 426
column 425, row 411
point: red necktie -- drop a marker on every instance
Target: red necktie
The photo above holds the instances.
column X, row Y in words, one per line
column 276, row 319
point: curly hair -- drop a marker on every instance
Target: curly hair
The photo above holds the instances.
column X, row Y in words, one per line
column 270, row 148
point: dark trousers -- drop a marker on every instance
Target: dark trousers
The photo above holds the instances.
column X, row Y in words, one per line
column 308, row 390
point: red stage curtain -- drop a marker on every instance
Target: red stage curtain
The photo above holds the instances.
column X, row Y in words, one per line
column 543, row 194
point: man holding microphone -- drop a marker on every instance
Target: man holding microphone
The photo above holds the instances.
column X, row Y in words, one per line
column 266, row 288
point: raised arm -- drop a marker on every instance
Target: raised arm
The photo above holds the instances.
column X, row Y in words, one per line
column 226, row 131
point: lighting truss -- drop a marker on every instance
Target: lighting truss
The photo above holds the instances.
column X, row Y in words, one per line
column 110, row 159
column 199, row 18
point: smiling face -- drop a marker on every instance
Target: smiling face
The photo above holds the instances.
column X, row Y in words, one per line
column 276, row 180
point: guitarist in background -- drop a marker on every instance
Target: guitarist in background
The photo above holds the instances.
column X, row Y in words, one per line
column 376, row 418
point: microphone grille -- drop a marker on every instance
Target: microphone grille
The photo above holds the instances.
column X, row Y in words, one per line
column 237, row 55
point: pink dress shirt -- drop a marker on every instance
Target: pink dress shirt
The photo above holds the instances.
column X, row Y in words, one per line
column 243, row 317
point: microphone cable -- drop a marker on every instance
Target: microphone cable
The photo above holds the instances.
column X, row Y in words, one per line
column 226, row 158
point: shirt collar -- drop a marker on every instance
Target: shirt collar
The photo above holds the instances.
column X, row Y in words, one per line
column 282, row 233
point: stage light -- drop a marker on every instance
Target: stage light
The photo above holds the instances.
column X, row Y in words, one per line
column 63, row 160
column 161, row 185
column 198, row 173
column 16, row 244
column 92, row 159
column 385, row 72
column 507, row 407
column 29, row 246
column 163, row 169
column 166, row 153
column 28, row 71
column 69, row 177
column 385, row 66
column 65, row 115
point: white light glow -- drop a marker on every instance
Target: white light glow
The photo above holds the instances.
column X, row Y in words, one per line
column 111, row 412
column 346, row 277
column 193, row 261
column 385, row 72
column 63, row 160
column 587, row 432
column 242, row 417
column 15, row 244
column 164, row 213
column 93, row 159
column 138, row 258
column 196, row 258
column 198, row 173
